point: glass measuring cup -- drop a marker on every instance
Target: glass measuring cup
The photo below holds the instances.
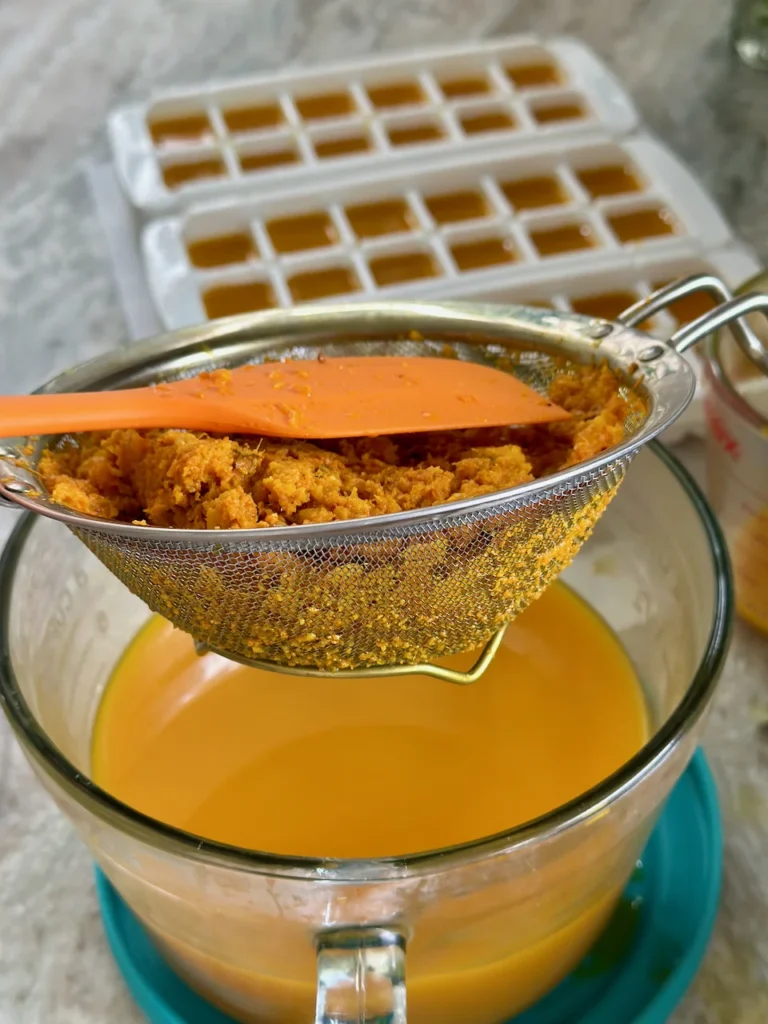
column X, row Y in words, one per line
column 737, row 462
column 486, row 928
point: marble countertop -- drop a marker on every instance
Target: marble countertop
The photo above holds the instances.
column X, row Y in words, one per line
column 62, row 67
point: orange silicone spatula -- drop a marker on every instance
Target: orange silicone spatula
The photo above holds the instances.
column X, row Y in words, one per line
column 323, row 398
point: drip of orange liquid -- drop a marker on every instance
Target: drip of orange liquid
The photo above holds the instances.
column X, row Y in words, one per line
column 289, row 765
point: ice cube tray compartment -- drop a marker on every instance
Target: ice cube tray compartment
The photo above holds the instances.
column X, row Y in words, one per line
column 264, row 132
column 606, row 292
column 433, row 230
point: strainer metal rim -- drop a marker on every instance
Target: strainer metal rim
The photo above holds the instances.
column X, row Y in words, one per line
column 191, row 349
column 116, row 814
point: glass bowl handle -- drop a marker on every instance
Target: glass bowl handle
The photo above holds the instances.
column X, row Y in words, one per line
column 360, row 976
column 728, row 313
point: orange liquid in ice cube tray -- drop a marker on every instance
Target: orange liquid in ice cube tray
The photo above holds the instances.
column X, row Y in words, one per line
column 177, row 174
column 371, row 220
column 610, row 180
column 535, row 75
column 403, row 267
column 330, row 104
column 182, row 128
column 345, row 145
column 267, row 159
column 231, row 299
column 308, row 231
column 638, row 225
column 563, row 238
column 489, row 121
column 253, row 118
column 457, row 88
column 395, row 94
column 450, row 207
column 221, row 250
column 531, row 193
column 558, row 112
column 466, row 94
column 410, row 135
column 485, row 252
column 311, row 285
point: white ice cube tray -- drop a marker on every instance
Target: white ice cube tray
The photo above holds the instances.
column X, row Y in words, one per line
column 357, row 266
column 288, row 128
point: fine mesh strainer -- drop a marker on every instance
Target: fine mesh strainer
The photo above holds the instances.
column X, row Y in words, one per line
column 387, row 593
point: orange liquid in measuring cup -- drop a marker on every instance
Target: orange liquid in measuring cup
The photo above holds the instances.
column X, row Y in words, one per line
column 242, row 756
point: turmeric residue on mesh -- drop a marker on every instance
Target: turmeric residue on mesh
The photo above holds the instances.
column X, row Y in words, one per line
column 176, row 478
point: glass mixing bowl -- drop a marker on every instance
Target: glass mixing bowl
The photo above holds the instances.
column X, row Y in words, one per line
column 488, row 927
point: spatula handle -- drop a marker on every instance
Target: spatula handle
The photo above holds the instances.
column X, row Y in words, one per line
column 31, row 415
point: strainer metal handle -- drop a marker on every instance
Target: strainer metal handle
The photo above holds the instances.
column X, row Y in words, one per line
column 727, row 313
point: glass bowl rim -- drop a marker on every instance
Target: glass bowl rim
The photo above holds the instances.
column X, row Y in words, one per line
column 116, row 814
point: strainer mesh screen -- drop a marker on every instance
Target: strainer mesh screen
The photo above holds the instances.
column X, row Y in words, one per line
column 396, row 595
column 399, row 594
